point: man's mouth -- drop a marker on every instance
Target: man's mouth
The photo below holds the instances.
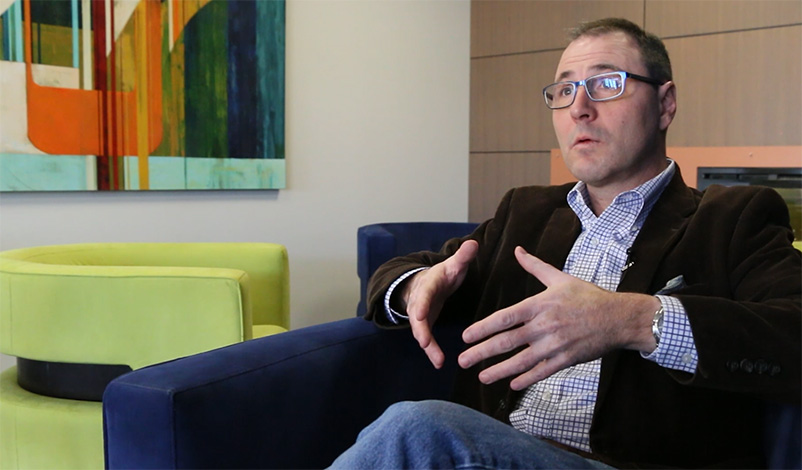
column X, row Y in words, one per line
column 583, row 140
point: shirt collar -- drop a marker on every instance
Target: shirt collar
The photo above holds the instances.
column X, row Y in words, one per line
column 579, row 200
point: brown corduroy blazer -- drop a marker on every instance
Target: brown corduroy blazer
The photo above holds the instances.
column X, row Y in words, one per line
column 741, row 290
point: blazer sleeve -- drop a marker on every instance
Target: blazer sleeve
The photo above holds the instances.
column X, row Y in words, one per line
column 463, row 302
column 747, row 317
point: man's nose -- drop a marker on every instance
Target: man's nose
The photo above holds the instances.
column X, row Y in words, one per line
column 582, row 107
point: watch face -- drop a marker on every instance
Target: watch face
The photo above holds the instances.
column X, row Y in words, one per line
column 657, row 325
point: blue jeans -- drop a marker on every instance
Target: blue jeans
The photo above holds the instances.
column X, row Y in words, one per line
column 438, row 434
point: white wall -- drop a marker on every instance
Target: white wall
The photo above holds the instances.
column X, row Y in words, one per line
column 376, row 130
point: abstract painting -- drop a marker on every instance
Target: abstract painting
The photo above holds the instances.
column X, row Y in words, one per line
column 118, row 95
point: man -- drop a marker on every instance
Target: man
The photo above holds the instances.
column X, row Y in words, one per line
column 648, row 327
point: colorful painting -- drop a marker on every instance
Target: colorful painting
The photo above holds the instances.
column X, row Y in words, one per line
column 116, row 95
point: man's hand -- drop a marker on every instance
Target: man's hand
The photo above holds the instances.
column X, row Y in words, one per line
column 571, row 322
column 426, row 292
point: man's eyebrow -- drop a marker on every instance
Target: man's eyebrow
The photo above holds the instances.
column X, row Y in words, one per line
column 564, row 75
column 605, row 68
column 598, row 68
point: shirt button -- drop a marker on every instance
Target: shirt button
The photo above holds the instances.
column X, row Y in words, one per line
column 594, row 242
column 687, row 358
column 547, row 396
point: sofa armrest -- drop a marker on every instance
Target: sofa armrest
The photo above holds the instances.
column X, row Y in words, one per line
column 292, row 400
column 375, row 245
column 783, row 435
column 378, row 243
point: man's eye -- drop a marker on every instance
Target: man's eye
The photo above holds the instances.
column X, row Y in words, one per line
column 565, row 91
column 608, row 84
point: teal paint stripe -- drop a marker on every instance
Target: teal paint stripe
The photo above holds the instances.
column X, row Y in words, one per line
column 13, row 27
column 26, row 172
column 6, row 37
column 165, row 173
column 235, row 173
column 75, row 33
column 8, row 30
column 203, row 173
column 18, row 29
column 270, row 34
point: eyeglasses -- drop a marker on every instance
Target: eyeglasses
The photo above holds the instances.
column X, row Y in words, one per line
column 602, row 87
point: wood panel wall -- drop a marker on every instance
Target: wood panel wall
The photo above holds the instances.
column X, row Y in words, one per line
column 737, row 65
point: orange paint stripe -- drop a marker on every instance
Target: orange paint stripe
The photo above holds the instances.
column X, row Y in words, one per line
column 68, row 121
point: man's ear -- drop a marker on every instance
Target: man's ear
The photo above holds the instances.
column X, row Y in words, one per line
column 667, row 94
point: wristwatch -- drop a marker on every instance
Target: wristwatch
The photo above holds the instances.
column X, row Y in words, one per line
column 657, row 325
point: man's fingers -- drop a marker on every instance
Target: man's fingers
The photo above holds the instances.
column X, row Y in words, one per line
column 435, row 354
column 429, row 288
column 421, row 332
column 501, row 320
column 427, row 293
column 544, row 272
column 532, row 368
column 419, row 306
column 542, row 370
column 518, row 364
column 423, row 335
column 499, row 344
column 466, row 252
column 455, row 267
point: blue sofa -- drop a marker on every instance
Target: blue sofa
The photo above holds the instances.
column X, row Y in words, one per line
column 292, row 400
column 377, row 243
column 296, row 400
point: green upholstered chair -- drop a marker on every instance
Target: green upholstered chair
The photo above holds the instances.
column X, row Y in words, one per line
column 75, row 316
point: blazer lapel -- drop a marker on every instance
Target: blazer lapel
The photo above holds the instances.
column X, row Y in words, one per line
column 558, row 237
column 661, row 231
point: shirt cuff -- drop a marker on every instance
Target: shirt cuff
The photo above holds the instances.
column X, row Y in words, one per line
column 392, row 315
column 677, row 348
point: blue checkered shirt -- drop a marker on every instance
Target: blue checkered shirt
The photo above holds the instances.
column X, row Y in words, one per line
column 561, row 407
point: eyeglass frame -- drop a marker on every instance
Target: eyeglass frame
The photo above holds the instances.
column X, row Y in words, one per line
column 622, row 73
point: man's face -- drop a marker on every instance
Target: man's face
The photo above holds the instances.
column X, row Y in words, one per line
column 614, row 144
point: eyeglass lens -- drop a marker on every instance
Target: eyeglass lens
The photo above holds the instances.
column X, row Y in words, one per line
column 599, row 88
